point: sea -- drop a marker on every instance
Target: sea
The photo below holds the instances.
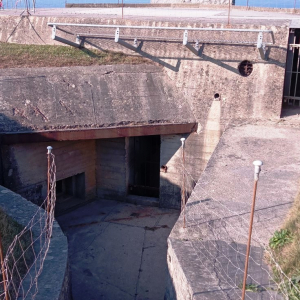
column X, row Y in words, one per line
column 61, row 3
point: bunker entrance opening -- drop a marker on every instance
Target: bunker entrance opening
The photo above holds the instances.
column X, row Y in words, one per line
column 144, row 166
column 292, row 79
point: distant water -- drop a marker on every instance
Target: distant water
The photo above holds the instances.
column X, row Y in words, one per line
column 61, row 3
column 269, row 3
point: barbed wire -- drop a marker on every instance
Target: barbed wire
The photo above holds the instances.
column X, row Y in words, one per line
column 24, row 259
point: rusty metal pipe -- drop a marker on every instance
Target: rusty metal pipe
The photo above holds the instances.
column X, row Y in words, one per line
column 49, row 148
column 257, row 165
column 183, row 200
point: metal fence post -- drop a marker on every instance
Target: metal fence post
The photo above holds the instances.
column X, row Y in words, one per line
column 49, row 148
column 183, row 200
column 257, row 169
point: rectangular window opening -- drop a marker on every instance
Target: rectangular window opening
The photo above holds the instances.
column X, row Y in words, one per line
column 70, row 187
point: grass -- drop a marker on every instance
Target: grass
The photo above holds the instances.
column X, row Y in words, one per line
column 23, row 56
column 19, row 258
column 285, row 246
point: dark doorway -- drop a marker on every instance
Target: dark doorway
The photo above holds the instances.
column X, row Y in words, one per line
column 292, row 75
column 69, row 193
column 144, row 166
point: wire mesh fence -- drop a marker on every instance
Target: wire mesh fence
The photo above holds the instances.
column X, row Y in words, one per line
column 218, row 234
column 24, row 259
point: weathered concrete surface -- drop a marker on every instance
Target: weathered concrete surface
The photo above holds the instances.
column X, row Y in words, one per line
column 25, row 167
column 91, row 97
column 53, row 283
column 206, row 260
column 198, row 78
column 118, row 251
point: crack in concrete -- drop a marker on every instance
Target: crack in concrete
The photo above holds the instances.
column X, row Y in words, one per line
column 140, row 268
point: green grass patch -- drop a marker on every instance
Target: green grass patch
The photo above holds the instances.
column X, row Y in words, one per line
column 285, row 245
column 20, row 56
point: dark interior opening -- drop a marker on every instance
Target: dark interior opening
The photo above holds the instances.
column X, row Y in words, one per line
column 70, row 187
column 144, row 166
column 291, row 99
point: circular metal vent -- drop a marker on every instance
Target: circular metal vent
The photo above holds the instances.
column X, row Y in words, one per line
column 245, row 68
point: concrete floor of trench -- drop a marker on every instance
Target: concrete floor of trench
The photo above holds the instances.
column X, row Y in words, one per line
column 117, row 251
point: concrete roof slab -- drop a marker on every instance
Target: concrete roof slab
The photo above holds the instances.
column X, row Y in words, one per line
column 45, row 99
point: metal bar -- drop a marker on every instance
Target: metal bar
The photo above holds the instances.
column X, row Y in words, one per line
column 289, row 65
column 150, row 38
column 188, row 45
column 123, row 43
column 291, row 97
column 257, row 165
column 260, row 46
column 162, row 28
column 228, row 24
column 183, row 200
column 59, row 39
column 101, row 133
column 297, row 75
column 122, row 9
column 49, row 148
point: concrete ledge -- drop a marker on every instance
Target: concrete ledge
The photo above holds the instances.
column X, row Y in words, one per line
column 53, row 283
column 206, row 259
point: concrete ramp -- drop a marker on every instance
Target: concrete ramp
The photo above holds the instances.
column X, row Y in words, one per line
column 206, row 259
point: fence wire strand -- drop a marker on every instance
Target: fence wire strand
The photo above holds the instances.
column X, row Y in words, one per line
column 24, row 259
column 220, row 247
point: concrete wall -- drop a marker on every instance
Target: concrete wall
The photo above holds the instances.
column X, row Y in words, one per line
column 53, row 283
column 199, row 78
column 216, row 71
column 25, row 166
column 111, row 169
column 198, row 148
column 202, row 262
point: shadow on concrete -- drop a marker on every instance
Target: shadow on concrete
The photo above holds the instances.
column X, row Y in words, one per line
column 218, row 58
column 217, row 268
column 9, row 168
column 118, row 250
column 20, row 23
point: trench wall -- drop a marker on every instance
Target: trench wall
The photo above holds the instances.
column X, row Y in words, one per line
column 54, row 281
column 25, row 166
column 216, row 71
column 111, row 169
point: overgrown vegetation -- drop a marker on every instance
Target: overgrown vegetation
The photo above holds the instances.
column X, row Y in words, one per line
column 285, row 245
column 20, row 56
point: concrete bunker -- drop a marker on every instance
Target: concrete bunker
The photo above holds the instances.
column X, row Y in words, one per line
column 110, row 144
